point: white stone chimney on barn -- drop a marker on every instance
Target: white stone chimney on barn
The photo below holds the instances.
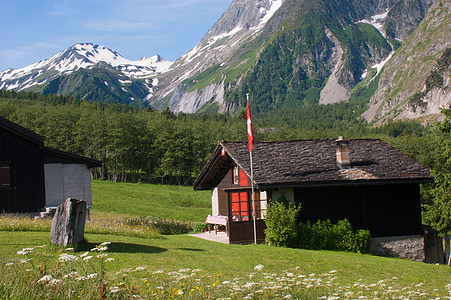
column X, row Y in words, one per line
column 343, row 158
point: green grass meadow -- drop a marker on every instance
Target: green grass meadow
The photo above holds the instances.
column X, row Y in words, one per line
column 138, row 200
column 156, row 266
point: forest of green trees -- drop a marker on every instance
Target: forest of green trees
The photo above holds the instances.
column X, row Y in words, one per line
column 138, row 145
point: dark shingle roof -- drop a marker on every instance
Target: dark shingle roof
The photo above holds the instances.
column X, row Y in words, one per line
column 313, row 162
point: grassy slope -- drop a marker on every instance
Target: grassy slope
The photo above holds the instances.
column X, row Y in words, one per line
column 168, row 202
column 176, row 252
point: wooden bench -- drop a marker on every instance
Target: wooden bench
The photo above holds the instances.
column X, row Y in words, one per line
column 217, row 221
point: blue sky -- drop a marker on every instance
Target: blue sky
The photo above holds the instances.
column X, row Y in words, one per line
column 35, row 30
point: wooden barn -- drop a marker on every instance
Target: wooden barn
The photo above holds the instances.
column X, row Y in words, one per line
column 367, row 181
column 33, row 176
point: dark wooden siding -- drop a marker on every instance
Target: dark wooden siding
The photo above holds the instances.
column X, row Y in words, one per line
column 26, row 193
column 385, row 210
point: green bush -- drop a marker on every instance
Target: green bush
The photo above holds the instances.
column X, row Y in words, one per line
column 281, row 225
column 200, row 227
column 328, row 236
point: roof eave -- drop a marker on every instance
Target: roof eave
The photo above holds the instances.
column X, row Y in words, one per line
column 263, row 186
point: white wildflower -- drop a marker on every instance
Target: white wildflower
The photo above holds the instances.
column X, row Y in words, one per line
column 84, row 254
column 45, row 278
column 93, row 275
column 102, row 255
column 67, row 257
column 69, row 249
column 9, row 264
column 81, row 278
column 180, row 293
column 109, row 259
column 105, row 243
column 158, row 272
column 114, row 289
column 249, row 284
column 54, row 281
column 70, row 275
column 87, row 258
column 226, row 282
column 258, row 267
column 288, row 297
column 137, row 268
column 184, row 270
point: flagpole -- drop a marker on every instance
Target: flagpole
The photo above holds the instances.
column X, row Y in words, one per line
column 253, row 200
column 252, row 171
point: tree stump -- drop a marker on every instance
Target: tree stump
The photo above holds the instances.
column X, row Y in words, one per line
column 68, row 224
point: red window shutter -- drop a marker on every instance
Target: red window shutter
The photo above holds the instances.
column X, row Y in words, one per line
column 243, row 178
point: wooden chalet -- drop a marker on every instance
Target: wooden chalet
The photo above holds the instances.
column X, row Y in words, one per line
column 367, row 181
column 33, row 176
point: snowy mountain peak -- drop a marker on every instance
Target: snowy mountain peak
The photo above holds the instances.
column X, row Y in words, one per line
column 80, row 56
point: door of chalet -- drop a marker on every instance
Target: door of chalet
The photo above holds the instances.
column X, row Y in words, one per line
column 241, row 225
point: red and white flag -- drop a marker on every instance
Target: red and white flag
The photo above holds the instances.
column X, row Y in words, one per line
column 250, row 132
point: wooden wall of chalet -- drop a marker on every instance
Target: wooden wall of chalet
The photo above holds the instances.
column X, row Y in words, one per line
column 386, row 210
column 26, row 171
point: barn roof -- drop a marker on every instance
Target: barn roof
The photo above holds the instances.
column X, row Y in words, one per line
column 21, row 131
column 50, row 155
column 313, row 163
column 57, row 156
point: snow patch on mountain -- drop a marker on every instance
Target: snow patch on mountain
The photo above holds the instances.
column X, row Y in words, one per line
column 267, row 14
column 377, row 21
column 214, row 39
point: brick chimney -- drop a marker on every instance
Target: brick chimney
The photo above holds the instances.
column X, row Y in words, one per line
column 343, row 159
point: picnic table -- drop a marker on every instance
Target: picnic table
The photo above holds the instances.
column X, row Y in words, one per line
column 217, row 221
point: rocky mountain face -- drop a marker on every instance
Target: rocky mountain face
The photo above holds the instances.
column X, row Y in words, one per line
column 288, row 53
column 415, row 82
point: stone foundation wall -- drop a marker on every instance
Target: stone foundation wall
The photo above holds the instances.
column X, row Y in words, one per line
column 408, row 247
